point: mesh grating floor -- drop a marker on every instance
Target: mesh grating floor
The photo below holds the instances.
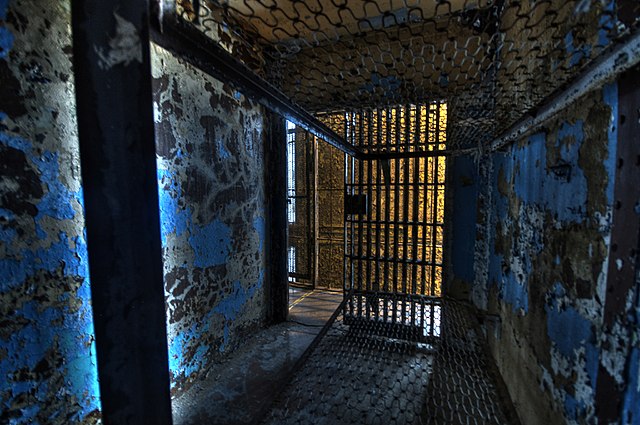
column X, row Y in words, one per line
column 362, row 374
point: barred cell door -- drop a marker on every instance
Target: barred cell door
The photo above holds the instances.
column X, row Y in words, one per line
column 394, row 217
column 300, row 206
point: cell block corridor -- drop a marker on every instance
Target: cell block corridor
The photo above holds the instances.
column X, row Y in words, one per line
column 364, row 212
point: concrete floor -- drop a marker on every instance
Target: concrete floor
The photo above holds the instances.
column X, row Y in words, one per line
column 354, row 374
column 241, row 390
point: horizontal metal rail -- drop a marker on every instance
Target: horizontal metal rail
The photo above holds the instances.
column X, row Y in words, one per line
column 393, row 260
column 188, row 43
column 619, row 58
column 415, row 154
column 394, row 223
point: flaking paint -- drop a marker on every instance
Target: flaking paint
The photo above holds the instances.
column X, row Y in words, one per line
column 210, row 144
column 47, row 350
column 544, row 210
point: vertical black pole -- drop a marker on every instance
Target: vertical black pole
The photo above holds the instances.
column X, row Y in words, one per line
column 624, row 249
column 313, row 192
column 276, row 187
column 117, row 152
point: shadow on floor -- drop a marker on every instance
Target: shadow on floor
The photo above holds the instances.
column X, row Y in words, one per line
column 358, row 372
column 238, row 390
column 368, row 373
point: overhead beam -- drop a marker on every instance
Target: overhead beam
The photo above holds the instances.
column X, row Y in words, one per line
column 415, row 154
column 185, row 41
column 118, row 161
column 620, row 58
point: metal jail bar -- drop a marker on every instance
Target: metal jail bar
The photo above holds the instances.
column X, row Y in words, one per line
column 393, row 247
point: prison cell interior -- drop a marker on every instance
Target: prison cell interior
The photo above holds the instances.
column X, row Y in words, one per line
column 403, row 88
column 465, row 175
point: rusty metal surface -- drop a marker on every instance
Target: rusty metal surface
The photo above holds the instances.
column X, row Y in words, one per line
column 189, row 44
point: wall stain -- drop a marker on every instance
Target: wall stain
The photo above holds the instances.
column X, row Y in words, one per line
column 212, row 205
column 47, row 353
column 545, row 208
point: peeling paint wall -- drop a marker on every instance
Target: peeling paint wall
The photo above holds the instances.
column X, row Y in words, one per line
column 541, row 252
column 47, row 355
column 543, row 223
column 210, row 156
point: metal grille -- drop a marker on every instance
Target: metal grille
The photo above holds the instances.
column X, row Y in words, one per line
column 494, row 61
column 394, row 246
column 299, row 207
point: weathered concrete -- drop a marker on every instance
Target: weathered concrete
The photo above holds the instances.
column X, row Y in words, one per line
column 47, row 354
column 544, row 219
column 543, row 222
column 210, row 144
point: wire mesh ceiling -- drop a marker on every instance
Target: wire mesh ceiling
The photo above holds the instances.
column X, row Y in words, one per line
column 492, row 61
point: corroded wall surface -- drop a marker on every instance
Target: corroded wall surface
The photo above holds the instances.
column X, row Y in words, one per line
column 543, row 217
column 543, row 226
column 47, row 357
column 210, row 146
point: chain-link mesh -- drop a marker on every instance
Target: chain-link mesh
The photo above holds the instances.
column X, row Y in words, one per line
column 367, row 373
column 492, row 61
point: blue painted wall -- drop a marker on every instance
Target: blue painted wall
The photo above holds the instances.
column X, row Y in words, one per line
column 47, row 355
column 548, row 224
column 211, row 190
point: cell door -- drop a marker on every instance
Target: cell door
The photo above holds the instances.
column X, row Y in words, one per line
column 300, row 206
column 394, row 218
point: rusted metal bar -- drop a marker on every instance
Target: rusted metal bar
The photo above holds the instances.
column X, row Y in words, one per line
column 387, row 204
column 434, row 200
column 399, row 261
column 414, row 214
column 396, row 213
column 416, row 154
column 405, row 205
column 416, row 210
column 369, row 139
column 358, row 136
column 378, row 135
column 425, row 203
